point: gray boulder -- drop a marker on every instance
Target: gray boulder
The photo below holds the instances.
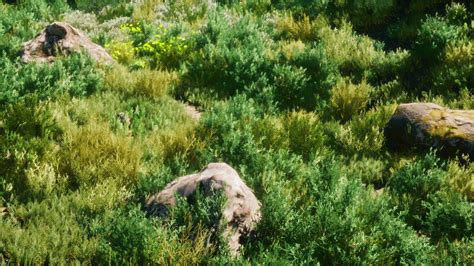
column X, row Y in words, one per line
column 241, row 211
column 61, row 38
column 429, row 125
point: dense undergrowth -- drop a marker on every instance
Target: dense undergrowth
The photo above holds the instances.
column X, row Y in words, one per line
column 294, row 94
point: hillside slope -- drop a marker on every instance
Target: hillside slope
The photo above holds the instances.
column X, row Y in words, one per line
column 294, row 95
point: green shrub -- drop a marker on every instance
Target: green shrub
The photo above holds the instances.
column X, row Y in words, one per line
column 224, row 67
column 179, row 11
column 230, row 57
column 124, row 236
column 114, row 10
column 413, row 184
column 201, row 210
column 92, row 153
column 44, row 10
column 349, row 227
column 368, row 170
column 279, row 217
column 457, row 14
column 433, row 37
column 439, row 58
column 225, row 134
column 44, row 232
column 96, row 5
column 418, row 179
column 16, row 26
column 146, row 10
column 455, row 72
column 81, row 144
column 347, row 224
column 189, row 10
column 157, row 45
column 269, row 133
column 75, row 75
column 288, row 49
column 20, row 22
column 348, row 99
column 460, row 178
column 291, row 87
column 448, row 216
column 364, row 133
column 29, row 134
column 153, row 84
column 455, row 252
column 303, row 131
column 322, row 75
column 298, row 132
column 352, row 53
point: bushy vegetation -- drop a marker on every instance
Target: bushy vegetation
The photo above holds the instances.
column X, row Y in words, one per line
column 295, row 96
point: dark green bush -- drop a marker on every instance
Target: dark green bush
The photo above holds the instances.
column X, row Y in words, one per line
column 75, row 75
column 231, row 56
column 291, row 87
column 16, row 26
column 20, row 22
column 201, row 211
column 124, row 236
column 338, row 221
column 426, row 203
column 322, row 75
column 418, row 179
column 433, row 37
column 449, row 216
column 440, row 56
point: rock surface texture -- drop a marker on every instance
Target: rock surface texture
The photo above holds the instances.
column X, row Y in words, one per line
column 61, row 38
column 430, row 125
column 192, row 111
column 241, row 211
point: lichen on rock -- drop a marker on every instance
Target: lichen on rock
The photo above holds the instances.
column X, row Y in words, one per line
column 430, row 125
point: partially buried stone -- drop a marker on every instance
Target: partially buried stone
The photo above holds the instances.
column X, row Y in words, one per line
column 241, row 211
column 60, row 38
column 429, row 125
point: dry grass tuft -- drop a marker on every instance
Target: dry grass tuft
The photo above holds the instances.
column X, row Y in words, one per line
column 93, row 153
column 150, row 83
column 348, row 99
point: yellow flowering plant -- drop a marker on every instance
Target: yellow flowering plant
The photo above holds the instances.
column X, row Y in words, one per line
column 157, row 46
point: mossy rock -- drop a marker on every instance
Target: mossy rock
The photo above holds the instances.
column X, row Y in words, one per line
column 425, row 125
